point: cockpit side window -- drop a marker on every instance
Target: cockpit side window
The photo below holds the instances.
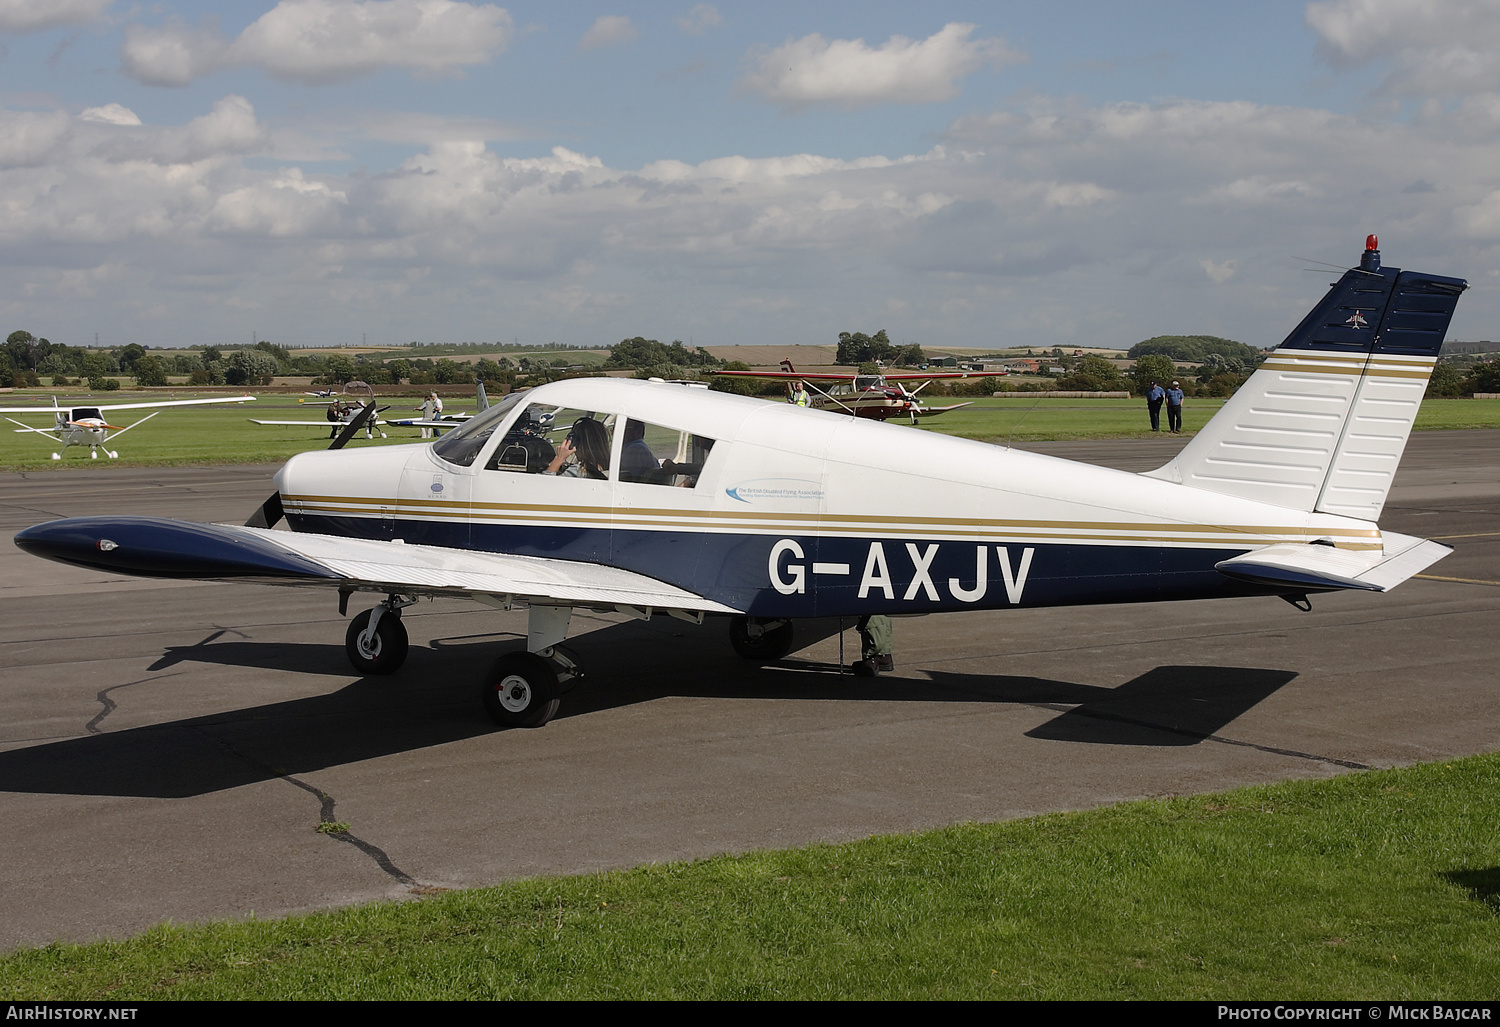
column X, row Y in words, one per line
column 654, row 455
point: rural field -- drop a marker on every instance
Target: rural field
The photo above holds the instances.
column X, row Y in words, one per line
column 224, row 435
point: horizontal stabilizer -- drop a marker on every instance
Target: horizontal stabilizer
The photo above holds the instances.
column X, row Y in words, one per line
column 1296, row 565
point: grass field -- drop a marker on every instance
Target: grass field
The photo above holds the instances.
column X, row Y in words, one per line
column 1029, row 419
column 223, row 435
column 1375, row 885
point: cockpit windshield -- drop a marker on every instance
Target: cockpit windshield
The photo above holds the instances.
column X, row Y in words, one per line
column 461, row 445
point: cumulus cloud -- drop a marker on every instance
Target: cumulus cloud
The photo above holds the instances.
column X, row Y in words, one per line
column 700, row 19
column 1048, row 223
column 35, row 15
column 322, row 41
column 173, row 54
column 608, row 30
column 1434, row 47
column 850, row 73
column 110, row 114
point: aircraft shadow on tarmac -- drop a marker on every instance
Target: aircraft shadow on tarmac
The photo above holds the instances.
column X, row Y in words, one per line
column 433, row 700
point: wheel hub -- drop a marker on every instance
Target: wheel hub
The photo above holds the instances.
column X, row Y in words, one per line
column 515, row 694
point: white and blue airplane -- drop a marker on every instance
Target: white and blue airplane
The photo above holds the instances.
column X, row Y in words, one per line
column 695, row 504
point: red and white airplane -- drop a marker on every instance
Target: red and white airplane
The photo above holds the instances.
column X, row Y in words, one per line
column 691, row 503
column 89, row 425
column 880, row 396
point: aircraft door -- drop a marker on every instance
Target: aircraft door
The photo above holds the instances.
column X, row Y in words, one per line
column 544, row 489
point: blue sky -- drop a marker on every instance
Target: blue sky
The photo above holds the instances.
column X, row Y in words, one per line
column 318, row 171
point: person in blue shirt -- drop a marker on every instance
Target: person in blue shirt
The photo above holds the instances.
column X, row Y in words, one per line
column 1174, row 408
column 1154, row 399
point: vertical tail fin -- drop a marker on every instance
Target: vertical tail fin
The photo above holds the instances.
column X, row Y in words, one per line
column 1322, row 423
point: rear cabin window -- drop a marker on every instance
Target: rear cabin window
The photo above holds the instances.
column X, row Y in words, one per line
column 653, row 455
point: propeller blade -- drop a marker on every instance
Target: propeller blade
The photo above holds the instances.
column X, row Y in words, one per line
column 268, row 514
column 365, row 413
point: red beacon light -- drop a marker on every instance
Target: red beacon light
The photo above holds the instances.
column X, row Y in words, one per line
column 1372, row 242
column 1370, row 259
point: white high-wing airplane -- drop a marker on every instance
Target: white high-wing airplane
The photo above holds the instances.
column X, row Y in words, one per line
column 694, row 503
column 88, row 425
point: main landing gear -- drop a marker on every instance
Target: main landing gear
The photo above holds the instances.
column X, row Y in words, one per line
column 760, row 639
column 522, row 689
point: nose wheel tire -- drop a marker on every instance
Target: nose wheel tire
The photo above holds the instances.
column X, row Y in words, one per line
column 384, row 652
column 521, row 691
column 758, row 641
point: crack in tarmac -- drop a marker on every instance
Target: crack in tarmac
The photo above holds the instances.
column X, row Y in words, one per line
column 326, row 804
column 92, row 727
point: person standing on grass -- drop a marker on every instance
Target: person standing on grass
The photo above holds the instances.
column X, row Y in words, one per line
column 1174, row 408
column 1155, row 396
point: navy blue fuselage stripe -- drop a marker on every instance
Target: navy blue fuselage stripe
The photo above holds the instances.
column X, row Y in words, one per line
column 736, row 570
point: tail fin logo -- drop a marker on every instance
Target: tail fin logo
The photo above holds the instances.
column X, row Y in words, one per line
column 1357, row 321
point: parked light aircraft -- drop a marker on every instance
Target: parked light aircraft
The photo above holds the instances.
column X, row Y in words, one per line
column 88, row 425
column 343, row 412
column 879, row 396
column 693, row 503
column 444, row 422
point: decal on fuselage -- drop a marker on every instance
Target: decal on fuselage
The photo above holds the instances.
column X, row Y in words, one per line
column 776, row 491
column 789, row 573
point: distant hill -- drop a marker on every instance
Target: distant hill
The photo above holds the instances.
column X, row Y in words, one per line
column 1193, row 349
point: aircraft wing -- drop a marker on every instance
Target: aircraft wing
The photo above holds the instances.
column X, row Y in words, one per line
column 1321, row 567
column 931, row 411
column 54, row 409
column 324, row 423
column 163, row 548
column 845, row 376
column 436, row 422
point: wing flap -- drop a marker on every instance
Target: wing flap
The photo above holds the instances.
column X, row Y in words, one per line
column 446, row 571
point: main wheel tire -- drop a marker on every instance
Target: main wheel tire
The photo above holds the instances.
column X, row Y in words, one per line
column 521, row 691
column 386, row 651
column 773, row 643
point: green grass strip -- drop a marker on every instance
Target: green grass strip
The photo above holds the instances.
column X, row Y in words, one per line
column 1383, row 884
column 198, row 436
